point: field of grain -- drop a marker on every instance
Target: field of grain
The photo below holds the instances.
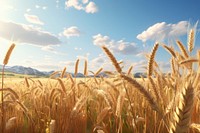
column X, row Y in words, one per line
column 119, row 103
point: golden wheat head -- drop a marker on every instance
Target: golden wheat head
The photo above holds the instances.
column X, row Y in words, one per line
column 113, row 59
column 8, row 54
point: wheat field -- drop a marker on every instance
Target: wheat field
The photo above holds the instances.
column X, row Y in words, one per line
column 119, row 103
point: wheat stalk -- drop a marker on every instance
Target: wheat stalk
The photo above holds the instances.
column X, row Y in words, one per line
column 129, row 70
column 103, row 114
column 27, row 83
column 195, row 126
column 8, row 54
column 173, row 66
column 155, row 90
column 85, row 68
column 191, row 37
column 170, row 50
column 143, row 91
column 76, row 67
column 63, row 72
column 62, row 85
column 182, row 48
column 120, row 102
column 151, row 59
column 113, row 59
column 11, row 123
column 183, row 112
column 189, row 60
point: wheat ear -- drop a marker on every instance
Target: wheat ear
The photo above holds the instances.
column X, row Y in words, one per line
column 183, row 112
column 76, row 67
column 182, row 48
column 143, row 91
column 86, row 68
column 98, row 71
column 195, row 126
column 191, row 37
column 63, row 72
column 151, row 59
column 129, row 70
column 9, row 52
column 62, row 85
column 170, row 50
column 113, row 59
column 198, row 56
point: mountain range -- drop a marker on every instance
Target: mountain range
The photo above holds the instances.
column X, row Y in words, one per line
column 32, row 71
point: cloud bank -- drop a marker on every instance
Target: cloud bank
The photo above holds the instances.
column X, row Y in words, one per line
column 82, row 5
column 33, row 19
column 71, row 31
column 161, row 31
column 121, row 46
column 27, row 34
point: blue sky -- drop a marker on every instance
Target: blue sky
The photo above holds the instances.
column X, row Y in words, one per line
column 52, row 34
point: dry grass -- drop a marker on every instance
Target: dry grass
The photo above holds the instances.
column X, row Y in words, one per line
column 160, row 103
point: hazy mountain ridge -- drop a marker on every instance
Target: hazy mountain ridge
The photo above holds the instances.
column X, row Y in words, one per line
column 33, row 71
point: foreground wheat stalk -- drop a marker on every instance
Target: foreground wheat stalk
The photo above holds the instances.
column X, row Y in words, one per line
column 182, row 114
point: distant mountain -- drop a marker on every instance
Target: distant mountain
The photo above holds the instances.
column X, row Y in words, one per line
column 25, row 70
column 32, row 71
column 139, row 75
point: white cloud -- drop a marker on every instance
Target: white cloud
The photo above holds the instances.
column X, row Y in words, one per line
column 161, row 31
column 37, row 6
column 100, row 59
column 28, row 10
column 85, row 1
column 91, row 8
column 82, row 5
column 76, row 48
column 27, row 34
column 75, row 4
column 44, row 7
column 71, row 31
column 33, row 19
column 41, row 7
column 49, row 49
column 67, row 63
column 120, row 46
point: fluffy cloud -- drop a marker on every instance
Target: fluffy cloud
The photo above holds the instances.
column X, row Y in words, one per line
column 120, row 46
column 42, row 7
column 85, row 1
column 91, row 8
column 71, row 31
column 161, row 31
column 27, row 34
column 75, row 4
column 33, row 19
column 82, row 5
column 49, row 49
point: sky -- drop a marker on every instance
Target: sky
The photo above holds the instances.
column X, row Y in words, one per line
column 50, row 35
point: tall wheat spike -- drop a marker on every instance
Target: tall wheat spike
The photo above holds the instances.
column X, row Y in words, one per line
column 151, row 59
column 8, row 54
column 63, row 72
column 86, row 68
column 27, row 83
column 191, row 37
column 182, row 48
column 5, row 62
column 143, row 91
column 113, row 59
column 182, row 115
column 98, row 71
column 129, row 70
column 170, row 50
column 76, row 67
